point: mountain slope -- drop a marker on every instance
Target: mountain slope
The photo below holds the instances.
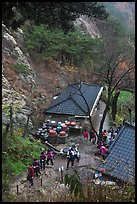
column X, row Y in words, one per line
column 125, row 11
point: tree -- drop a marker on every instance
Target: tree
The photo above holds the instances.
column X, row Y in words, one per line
column 73, row 48
column 114, row 105
column 115, row 62
column 53, row 14
column 75, row 185
column 80, row 92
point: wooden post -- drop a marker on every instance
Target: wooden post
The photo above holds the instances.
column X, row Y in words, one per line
column 17, row 189
column 62, row 174
column 41, row 181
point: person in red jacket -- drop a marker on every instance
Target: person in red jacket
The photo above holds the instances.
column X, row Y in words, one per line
column 30, row 174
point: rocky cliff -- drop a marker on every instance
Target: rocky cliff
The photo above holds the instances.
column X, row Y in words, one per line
column 26, row 83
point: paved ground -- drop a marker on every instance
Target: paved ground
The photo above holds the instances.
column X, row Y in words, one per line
column 97, row 117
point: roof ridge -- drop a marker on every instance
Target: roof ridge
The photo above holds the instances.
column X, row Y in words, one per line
column 78, row 105
column 56, row 104
column 69, row 97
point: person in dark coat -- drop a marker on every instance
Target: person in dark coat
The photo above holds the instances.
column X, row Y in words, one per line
column 30, row 175
column 92, row 135
column 71, row 157
column 42, row 160
column 36, row 167
column 50, row 156
column 76, row 152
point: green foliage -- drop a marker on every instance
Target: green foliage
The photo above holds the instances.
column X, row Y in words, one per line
column 21, row 68
column 126, row 100
column 17, row 153
column 123, row 17
column 74, row 48
column 53, row 14
column 75, row 185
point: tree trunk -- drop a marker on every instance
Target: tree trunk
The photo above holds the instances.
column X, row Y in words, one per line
column 6, row 130
column 114, row 105
column 41, row 49
column 102, row 122
column 105, row 112
column 92, row 125
column 130, row 116
column 26, row 127
column 11, row 120
column 62, row 58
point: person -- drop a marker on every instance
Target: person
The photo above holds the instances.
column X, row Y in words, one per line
column 42, row 160
column 103, row 150
column 36, row 167
column 105, row 141
column 92, row 135
column 50, row 156
column 30, row 174
column 109, row 135
column 119, row 127
column 111, row 130
column 71, row 157
column 99, row 143
column 104, row 134
column 85, row 134
column 111, row 141
column 108, row 142
column 76, row 153
column 39, row 166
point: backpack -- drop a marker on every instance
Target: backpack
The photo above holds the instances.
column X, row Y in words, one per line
column 71, row 154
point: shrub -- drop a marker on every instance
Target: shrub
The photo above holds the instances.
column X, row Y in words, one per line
column 21, row 68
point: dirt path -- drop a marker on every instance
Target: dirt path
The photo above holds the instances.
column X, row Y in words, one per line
column 51, row 177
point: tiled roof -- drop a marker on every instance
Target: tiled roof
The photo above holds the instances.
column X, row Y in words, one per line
column 71, row 102
column 120, row 163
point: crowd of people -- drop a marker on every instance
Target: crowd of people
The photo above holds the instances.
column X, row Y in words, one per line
column 103, row 145
column 46, row 158
column 35, row 168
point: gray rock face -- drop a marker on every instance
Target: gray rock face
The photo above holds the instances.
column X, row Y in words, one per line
column 11, row 50
column 87, row 26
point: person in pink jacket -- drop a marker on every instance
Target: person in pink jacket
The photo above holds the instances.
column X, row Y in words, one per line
column 86, row 134
column 103, row 150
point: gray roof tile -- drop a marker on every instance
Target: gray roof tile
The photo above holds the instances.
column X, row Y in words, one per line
column 70, row 101
column 121, row 160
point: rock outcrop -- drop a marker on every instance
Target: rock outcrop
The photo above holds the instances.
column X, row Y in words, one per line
column 87, row 25
column 15, row 83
